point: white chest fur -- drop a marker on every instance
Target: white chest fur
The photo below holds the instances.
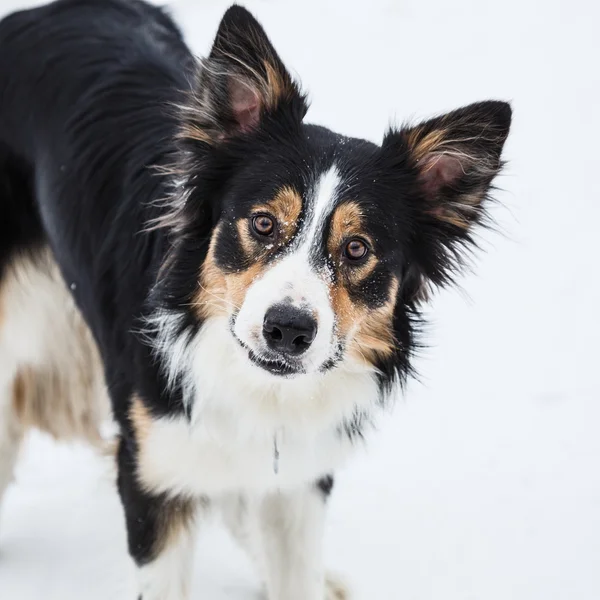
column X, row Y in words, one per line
column 240, row 417
column 208, row 459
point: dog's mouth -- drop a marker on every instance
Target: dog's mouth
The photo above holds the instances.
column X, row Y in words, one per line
column 283, row 366
column 276, row 366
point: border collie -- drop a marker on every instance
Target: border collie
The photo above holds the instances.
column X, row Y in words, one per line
column 239, row 290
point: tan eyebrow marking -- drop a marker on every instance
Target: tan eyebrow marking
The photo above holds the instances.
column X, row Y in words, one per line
column 348, row 221
column 286, row 207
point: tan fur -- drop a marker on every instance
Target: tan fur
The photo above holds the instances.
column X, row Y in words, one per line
column 191, row 131
column 346, row 222
column 140, row 419
column 42, row 399
column 270, row 88
column 247, row 242
column 277, row 88
column 370, row 331
column 212, row 288
column 422, row 145
column 374, row 337
column 428, row 148
column 221, row 292
column 451, row 217
column 238, row 283
column 49, row 353
column 177, row 514
column 458, row 214
column 286, row 207
column 346, row 312
column 176, row 517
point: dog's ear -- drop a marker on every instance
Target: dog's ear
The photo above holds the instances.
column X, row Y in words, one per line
column 454, row 159
column 241, row 82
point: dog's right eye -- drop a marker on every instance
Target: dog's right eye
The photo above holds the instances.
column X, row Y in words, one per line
column 263, row 225
column 356, row 250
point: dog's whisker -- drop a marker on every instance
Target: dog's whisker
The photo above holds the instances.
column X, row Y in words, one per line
column 220, row 298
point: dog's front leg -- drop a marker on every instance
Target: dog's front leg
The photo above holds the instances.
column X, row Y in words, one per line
column 291, row 526
column 160, row 534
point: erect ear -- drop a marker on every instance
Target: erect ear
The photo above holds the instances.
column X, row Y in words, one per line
column 241, row 81
column 456, row 157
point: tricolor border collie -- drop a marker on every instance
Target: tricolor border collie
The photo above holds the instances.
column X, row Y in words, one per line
column 238, row 289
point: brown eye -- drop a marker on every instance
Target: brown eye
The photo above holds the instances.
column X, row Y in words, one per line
column 263, row 225
column 356, row 250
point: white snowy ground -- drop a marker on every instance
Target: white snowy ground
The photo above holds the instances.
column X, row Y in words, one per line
column 484, row 484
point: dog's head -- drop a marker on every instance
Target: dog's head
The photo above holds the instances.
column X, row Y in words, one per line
column 318, row 247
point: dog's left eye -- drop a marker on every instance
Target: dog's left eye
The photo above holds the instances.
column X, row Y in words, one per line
column 263, row 225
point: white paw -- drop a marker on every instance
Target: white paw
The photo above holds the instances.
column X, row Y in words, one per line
column 335, row 589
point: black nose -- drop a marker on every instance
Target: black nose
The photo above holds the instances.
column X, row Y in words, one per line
column 289, row 329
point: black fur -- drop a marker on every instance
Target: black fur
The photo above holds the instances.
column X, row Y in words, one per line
column 325, row 485
column 90, row 145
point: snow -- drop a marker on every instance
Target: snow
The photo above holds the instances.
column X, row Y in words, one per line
column 483, row 484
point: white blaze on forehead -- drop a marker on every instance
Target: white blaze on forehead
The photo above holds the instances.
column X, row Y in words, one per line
column 320, row 206
column 294, row 280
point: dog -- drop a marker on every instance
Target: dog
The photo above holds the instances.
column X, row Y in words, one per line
column 238, row 290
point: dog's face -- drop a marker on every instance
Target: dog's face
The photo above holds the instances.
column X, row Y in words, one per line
column 303, row 258
column 321, row 246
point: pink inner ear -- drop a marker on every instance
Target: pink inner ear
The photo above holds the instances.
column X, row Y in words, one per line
column 438, row 171
column 245, row 104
